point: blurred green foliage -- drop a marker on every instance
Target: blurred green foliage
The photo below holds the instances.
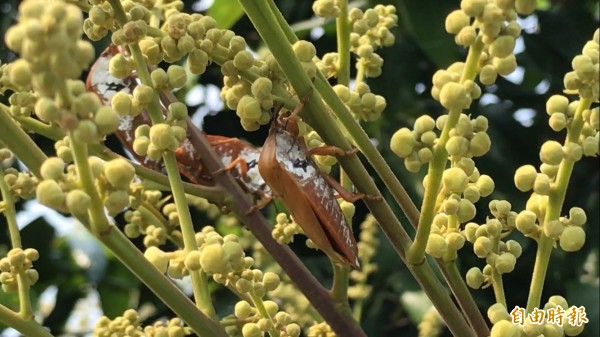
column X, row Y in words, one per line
column 551, row 38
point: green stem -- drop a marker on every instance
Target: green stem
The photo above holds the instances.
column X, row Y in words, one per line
column 416, row 253
column 498, row 286
column 342, row 25
column 20, row 143
column 262, row 310
column 339, row 288
column 556, row 199
column 15, row 238
column 266, row 24
column 26, row 326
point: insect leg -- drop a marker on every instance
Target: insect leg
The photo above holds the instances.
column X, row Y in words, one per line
column 347, row 195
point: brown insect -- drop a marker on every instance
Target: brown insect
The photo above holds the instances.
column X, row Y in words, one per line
column 238, row 156
column 286, row 165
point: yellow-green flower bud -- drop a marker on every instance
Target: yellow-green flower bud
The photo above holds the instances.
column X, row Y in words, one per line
column 50, row 194
column 19, row 73
column 213, row 259
column 514, row 248
column 119, row 173
column 251, row 330
column 455, row 21
column 243, row 60
column 271, row 281
column 557, row 104
column 242, row 310
column 47, row 110
column 453, row 96
column 85, row 104
column 466, row 211
column 450, row 206
column 293, row 330
column 473, row 7
column 505, row 65
column 106, row 119
column 551, row 152
column 86, row 132
column 482, row 246
column 116, row 201
column 572, row 239
column 497, row 313
column 402, row 143
column 243, row 285
column 558, row 301
column 525, row 177
column 428, row 138
column 488, row 75
column 197, row 61
column 436, row 246
column 143, row 93
column 455, row 241
column 470, row 231
column 304, row 50
column 122, row 104
column 53, row 168
column 78, row 202
column 557, row 121
column 505, row 263
column 177, row 76
column 525, row 7
column 480, row 144
column 553, row 228
column 261, row 88
column 466, row 36
column 161, row 136
column 248, row 108
column 502, row 47
column 192, row 260
column 423, row 124
column 486, row 185
column 573, row 151
column 178, row 111
column 577, row 216
column 271, row 308
column 158, row 258
column 474, row 278
column 457, row 146
column 504, row 329
column 455, row 180
column 590, row 146
column 542, row 184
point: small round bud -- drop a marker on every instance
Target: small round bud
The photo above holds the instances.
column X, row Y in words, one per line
column 213, row 259
column 506, row 65
column 497, row 313
column 436, row 246
column 525, row 177
column 176, row 76
column 457, row 146
column 304, row 50
column 475, row 278
column 466, row 211
column 572, row 239
column 482, row 246
column 486, row 185
column 50, row 194
column 106, row 119
column 504, row 329
column 480, row 144
column 119, row 173
column 488, row 75
column 78, row 202
column 505, row 263
column 455, row 21
column 243, row 60
column 251, row 330
column 541, row 184
column 53, row 168
column 158, row 258
column 455, row 241
column 577, row 216
column 453, row 96
column 557, row 104
column 402, row 143
column 551, row 153
column 502, row 46
column 455, row 180
column 242, row 310
column 161, row 136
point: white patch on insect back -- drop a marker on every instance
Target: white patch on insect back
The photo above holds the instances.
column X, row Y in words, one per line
column 253, row 180
column 125, row 125
column 188, row 148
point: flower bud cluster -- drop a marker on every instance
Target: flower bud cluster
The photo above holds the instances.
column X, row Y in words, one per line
column 500, row 256
column 153, row 140
column 450, row 92
column 320, row 330
column 467, row 139
column 130, row 325
column 561, row 113
column 501, row 320
column 368, row 244
column 284, row 229
column 256, row 325
column 22, row 185
column 496, row 22
column 48, row 39
column 362, row 102
column 432, row 323
column 21, row 102
column 18, row 262
column 584, row 77
column 326, row 8
column 371, row 31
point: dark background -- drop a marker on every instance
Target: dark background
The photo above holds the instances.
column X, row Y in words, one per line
column 552, row 37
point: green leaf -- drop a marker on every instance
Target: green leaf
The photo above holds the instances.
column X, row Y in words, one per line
column 226, row 13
